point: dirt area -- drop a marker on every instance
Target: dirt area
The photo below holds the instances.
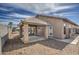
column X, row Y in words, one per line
column 44, row 47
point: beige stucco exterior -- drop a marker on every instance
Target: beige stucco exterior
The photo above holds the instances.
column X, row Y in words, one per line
column 26, row 24
column 58, row 26
column 62, row 28
column 25, row 37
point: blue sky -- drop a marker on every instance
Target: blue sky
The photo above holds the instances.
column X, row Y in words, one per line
column 18, row 11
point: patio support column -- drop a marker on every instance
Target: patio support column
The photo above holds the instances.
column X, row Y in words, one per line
column 25, row 33
column 46, row 32
column 20, row 31
column 9, row 33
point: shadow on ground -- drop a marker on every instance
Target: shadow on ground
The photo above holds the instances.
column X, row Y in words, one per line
column 51, row 43
column 16, row 43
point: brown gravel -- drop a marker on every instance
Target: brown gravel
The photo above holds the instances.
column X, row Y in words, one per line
column 45, row 47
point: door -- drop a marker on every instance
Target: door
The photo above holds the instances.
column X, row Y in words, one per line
column 32, row 30
column 50, row 31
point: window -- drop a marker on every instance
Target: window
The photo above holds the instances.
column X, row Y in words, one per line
column 50, row 27
column 64, row 29
column 50, row 30
column 51, row 33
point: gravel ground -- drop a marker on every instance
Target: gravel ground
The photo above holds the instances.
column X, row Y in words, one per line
column 45, row 47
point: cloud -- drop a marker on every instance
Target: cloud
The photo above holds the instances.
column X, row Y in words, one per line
column 11, row 11
column 23, row 10
column 4, row 9
column 62, row 8
column 44, row 8
column 39, row 8
column 35, row 7
column 18, row 15
column 6, row 21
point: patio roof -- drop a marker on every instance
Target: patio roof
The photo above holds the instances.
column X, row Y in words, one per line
column 35, row 21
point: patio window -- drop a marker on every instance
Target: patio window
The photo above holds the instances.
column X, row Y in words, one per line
column 32, row 30
column 64, row 29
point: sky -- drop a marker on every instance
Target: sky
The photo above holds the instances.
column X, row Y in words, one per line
column 14, row 12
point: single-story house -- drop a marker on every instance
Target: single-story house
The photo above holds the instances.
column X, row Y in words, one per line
column 47, row 26
column 62, row 27
column 34, row 27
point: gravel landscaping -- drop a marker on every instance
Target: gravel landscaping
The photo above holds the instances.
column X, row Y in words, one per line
column 44, row 47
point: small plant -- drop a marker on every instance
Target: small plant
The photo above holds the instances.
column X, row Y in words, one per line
column 10, row 24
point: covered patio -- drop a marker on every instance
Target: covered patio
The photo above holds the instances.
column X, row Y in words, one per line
column 33, row 29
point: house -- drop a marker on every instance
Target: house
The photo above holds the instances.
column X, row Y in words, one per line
column 62, row 27
column 34, row 27
column 47, row 27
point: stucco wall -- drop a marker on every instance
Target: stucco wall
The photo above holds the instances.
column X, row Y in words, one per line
column 3, row 36
column 57, row 26
column 72, row 26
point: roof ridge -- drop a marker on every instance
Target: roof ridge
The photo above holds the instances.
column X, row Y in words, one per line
column 62, row 18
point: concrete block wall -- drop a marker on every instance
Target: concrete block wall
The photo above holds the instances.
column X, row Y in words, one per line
column 3, row 36
column 0, row 46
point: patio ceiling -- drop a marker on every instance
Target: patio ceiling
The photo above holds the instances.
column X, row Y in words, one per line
column 35, row 21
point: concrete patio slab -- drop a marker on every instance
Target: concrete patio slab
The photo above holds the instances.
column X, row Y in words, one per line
column 35, row 38
column 73, row 40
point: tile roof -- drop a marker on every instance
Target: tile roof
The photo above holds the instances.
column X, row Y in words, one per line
column 61, row 18
column 33, row 20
